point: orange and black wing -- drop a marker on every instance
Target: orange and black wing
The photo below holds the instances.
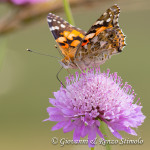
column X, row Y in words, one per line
column 67, row 36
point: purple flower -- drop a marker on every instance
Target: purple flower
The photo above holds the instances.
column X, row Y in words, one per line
column 93, row 96
column 21, row 2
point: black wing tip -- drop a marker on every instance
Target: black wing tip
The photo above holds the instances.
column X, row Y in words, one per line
column 115, row 8
column 50, row 16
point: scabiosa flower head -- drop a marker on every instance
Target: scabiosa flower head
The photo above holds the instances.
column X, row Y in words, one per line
column 93, row 96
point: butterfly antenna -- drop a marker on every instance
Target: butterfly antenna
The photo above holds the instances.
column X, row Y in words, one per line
column 29, row 50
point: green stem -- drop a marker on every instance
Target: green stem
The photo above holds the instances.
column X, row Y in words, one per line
column 92, row 148
column 68, row 12
column 102, row 128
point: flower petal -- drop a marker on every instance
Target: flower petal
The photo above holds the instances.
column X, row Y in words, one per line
column 84, row 131
column 115, row 133
column 52, row 101
column 68, row 127
column 77, row 134
column 58, row 126
column 57, row 118
column 100, row 133
column 54, row 111
column 92, row 136
column 130, row 131
column 67, row 112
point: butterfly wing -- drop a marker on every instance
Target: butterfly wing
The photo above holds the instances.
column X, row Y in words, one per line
column 103, row 39
column 67, row 36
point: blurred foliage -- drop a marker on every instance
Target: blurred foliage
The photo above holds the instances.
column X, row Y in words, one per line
column 22, row 15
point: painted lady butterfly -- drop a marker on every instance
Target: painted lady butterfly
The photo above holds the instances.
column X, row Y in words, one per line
column 83, row 50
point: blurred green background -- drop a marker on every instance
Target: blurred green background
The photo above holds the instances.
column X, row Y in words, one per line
column 27, row 80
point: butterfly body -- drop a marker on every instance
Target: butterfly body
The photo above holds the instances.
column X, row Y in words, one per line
column 84, row 50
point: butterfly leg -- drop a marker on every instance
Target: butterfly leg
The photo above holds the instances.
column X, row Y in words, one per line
column 68, row 71
column 57, row 76
column 79, row 67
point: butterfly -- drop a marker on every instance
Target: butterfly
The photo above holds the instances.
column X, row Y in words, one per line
column 82, row 49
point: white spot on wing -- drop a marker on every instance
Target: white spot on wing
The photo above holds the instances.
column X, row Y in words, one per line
column 90, row 35
column 54, row 28
column 49, row 20
column 108, row 20
column 104, row 13
column 62, row 25
column 100, row 22
column 116, row 20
